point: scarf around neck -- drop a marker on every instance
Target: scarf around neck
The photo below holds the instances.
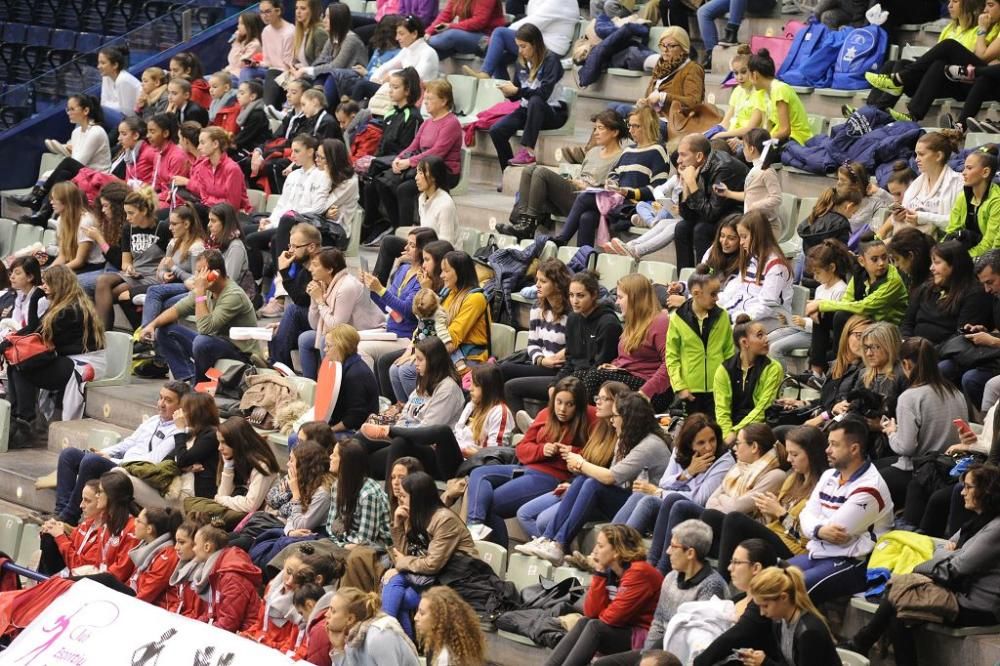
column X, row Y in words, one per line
column 742, row 477
column 241, row 118
column 666, row 68
column 144, row 554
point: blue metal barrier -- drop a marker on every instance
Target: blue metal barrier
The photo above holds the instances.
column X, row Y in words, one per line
column 25, row 572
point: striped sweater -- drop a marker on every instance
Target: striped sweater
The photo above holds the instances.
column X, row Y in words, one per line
column 546, row 334
column 642, row 169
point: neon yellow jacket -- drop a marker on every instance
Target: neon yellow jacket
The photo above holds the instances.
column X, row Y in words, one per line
column 886, row 300
column 765, row 391
column 900, row 551
column 988, row 216
column 693, row 353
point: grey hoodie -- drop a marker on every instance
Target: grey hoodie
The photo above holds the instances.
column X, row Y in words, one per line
column 973, row 570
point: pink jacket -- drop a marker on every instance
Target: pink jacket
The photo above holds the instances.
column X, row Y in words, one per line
column 222, row 184
column 346, row 301
column 164, row 164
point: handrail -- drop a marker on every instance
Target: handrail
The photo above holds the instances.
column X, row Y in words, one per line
column 24, row 571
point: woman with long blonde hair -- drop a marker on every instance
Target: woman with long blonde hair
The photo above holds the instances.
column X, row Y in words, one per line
column 310, row 36
column 640, row 364
column 77, row 251
column 69, row 327
column 536, row 515
column 448, row 629
column 799, row 628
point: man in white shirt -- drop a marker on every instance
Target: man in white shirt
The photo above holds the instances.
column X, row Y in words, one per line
column 849, row 509
column 151, row 442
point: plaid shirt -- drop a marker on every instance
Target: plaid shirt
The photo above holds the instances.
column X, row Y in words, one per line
column 370, row 526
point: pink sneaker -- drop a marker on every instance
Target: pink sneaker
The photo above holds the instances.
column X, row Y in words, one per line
column 522, row 158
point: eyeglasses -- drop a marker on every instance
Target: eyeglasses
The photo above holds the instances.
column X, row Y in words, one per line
column 872, row 348
column 299, row 247
column 669, row 45
column 633, row 126
column 677, row 546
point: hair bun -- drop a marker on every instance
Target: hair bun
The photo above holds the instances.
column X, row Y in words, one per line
column 763, row 53
column 743, row 318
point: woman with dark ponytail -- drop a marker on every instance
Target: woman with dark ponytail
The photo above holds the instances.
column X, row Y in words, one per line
column 787, row 119
column 979, row 232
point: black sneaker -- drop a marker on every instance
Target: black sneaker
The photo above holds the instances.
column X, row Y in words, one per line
column 946, row 121
column 992, row 126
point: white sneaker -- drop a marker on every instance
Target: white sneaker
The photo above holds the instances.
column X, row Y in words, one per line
column 529, row 548
column 551, row 551
column 274, row 113
column 139, row 299
column 479, row 531
column 523, row 420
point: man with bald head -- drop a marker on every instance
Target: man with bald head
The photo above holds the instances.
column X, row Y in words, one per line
column 702, row 207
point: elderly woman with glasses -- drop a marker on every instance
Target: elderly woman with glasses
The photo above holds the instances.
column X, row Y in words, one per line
column 676, row 78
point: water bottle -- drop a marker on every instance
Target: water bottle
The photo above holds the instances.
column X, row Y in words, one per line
column 643, row 475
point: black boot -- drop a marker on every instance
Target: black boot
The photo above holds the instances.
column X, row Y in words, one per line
column 523, row 228
column 39, row 218
column 730, row 38
column 706, row 62
column 32, row 199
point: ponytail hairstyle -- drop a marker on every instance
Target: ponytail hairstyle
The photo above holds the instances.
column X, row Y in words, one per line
column 703, row 274
column 92, row 105
column 761, row 140
column 773, row 582
column 362, row 605
column 190, row 63
column 830, row 198
column 143, row 200
column 164, row 520
column 588, row 280
column 831, row 251
column 316, row 564
column 901, row 174
column 944, row 141
column 763, row 245
column 741, row 329
column 760, row 552
column 411, row 83
column 168, row 123
column 762, row 64
column 924, row 357
column 219, row 135
column 724, row 265
column 986, row 156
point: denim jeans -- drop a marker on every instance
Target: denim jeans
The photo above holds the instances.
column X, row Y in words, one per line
column 536, row 515
column 785, row 340
column 586, row 499
column 674, row 509
column 400, row 599
column 639, row 511
column 453, row 41
column 179, row 346
column 495, row 494
column 403, row 379
column 88, row 281
column 309, row 356
column 159, row 297
column 75, row 468
column 713, row 9
column 501, row 52
column 294, row 322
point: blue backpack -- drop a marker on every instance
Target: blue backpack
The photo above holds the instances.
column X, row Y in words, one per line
column 863, row 51
column 813, row 54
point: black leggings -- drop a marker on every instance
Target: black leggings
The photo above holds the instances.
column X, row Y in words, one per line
column 985, row 88
column 434, row 446
column 516, row 391
column 924, row 80
column 275, row 238
column 826, row 336
column 731, row 529
column 588, row 637
column 388, row 252
column 23, row 386
column 52, row 561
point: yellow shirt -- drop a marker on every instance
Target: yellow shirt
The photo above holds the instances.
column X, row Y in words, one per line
column 744, row 103
column 967, row 37
column 468, row 322
column 799, row 121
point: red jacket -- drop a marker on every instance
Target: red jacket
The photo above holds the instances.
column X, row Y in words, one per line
column 115, row 549
column 635, row 603
column 314, row 643
column 163, row 164
column 233, row 603
column 186, row 602
column 19, row 608
column 152, row 584
column 484, row 16
column 81, row 546
column 200, row 94
column 266, row 631
column 91, row 181
column 223, row 183
column 530, row 450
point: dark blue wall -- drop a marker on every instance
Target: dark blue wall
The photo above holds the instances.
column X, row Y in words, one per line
column 21, row 147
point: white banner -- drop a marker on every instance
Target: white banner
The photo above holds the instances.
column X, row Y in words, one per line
column 93, row 625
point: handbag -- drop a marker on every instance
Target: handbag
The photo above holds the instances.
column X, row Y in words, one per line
column 683, row 120
column 26, row 352
column 777, row 45
column 961, row 351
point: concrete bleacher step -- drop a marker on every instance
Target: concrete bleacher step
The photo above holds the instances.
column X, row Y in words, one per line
column 507, row 652
column 83, row 433
column 19, row 468
column 124, row 406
